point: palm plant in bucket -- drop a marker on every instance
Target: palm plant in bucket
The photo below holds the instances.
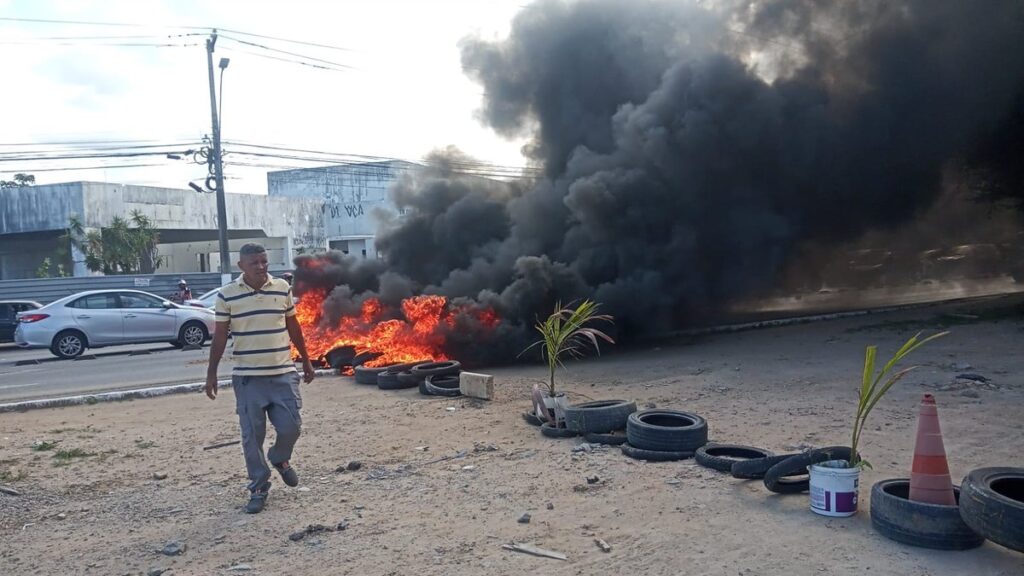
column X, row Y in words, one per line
column 874, row 386
column 565, row 334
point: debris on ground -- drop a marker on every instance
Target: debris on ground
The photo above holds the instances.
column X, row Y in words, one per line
column 159, row 476
column 524, row 519
column 9, row 491
column 972, row 376
column 174, row 548
column 481, row 447
column 604, row 546
column 534, row 550
column 240, row 568
column 382, row 473
column 222, row 445
column 317, row 529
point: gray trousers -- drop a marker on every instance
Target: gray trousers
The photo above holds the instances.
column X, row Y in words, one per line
column 256, row 399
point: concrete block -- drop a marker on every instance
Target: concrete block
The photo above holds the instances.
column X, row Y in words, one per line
column 477, row 385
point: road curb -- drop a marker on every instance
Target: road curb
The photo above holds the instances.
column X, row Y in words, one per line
column 118, row 395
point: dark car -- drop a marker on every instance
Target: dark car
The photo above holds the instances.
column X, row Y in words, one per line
column 9, row 316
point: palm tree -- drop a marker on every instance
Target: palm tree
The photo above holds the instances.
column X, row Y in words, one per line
column 564, row 333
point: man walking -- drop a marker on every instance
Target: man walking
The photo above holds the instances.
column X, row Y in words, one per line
column 259, row 312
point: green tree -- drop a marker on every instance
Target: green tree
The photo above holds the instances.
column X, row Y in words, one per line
column 20, row 181
column 125, row 247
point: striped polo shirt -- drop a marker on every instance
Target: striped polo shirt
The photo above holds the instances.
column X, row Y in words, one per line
column 256, row 320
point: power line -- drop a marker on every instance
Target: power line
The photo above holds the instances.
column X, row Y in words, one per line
column 269, row 57
column 133, row 44
column 77, row 168
column 302, row 42
column 247, row 43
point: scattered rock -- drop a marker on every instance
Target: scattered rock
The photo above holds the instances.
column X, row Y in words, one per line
column 353, row 465
column 450, row 409
column 174, row 548
column 604, row 546
column 317, row 529
column 156, row 571
column 672, row 481
column 469, row 467
column 304, row 489
column 159, row 476
column 481, row 447
column 240, row 568
column 9, row 491
column 593, row 479
column 650, row 405
column 61, row 516
column 550, row 506
column 524, row 519
column 970, row 393
column 972, row 376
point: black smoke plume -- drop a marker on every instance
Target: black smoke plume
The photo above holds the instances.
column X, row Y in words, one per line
column 687, row 148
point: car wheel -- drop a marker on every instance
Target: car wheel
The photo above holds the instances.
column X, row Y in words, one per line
column 192, row 334
column 68, row 344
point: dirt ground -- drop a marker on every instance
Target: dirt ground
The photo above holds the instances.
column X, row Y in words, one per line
column 780, row 388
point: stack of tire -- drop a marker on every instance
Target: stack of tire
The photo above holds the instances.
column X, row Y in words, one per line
column 432, row 378
column 596, row 421
column 990, row 506
column 664, row 435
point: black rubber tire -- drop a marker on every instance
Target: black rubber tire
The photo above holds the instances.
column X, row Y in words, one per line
column 666, row 430
column 721, row 457
column 341, row 356
column 63, row 344
column 423, row 388
column 790, row 475
column 992, row 504
column 437, row 368
column 609, row 439
column 391, row 380
column 655, row 455
column 551, row 432
column 755, row 469
column 188, row 331
column 897, row 517
column 409, row 379
column 367, row 375
column 532, row 419
column 598, row 417
column 441, row 385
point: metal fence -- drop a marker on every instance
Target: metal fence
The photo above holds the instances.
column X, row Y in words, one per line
column 46, row 290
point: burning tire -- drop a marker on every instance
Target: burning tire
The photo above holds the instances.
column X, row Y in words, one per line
column 655, row 455
column 443, row 385
column 666, row 430
column 790, row 475
column 992, row 504
column 721, row 457
column 598, row 417
column 552, row 432
column 897, row 517
column 437, row 368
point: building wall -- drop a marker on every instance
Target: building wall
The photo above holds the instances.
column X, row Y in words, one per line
column 187, row 221
column 351, row 198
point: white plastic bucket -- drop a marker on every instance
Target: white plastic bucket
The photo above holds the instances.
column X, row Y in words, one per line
column 833, row 488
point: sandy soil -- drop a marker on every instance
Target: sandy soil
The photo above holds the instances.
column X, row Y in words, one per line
column 779, row 388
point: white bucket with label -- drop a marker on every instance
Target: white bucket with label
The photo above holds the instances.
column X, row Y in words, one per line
column 833, row 488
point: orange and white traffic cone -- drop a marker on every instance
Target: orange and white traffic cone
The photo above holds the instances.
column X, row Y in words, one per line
column 929, row 476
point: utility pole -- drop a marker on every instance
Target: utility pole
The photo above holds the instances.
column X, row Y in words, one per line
column 218, row 165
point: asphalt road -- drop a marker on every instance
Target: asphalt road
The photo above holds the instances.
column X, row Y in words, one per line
column 114, row 368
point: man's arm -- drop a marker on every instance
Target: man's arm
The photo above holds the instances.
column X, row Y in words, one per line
column 295, row 333
column 217, row 346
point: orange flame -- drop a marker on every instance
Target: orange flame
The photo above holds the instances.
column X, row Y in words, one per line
column 414, row 337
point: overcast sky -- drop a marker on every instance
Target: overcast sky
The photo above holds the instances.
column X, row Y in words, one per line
column 405, row 94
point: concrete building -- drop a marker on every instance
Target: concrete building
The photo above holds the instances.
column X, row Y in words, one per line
column 33, row 218
column 352, row 199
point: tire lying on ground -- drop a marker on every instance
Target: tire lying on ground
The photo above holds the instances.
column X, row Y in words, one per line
column 721, row 457
column 666, row 430
column 443, row 385
column 368, row 374
column 897, row 517
column 992, row 504
column 610, row 439
column 755, row 468
column 790, row 475
column 392, row 379
column 552, row 432
column 598, row 417
column 655, row 455
column 437, row 368
column 532, row 419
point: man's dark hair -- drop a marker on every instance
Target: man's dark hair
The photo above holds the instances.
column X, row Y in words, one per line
column 250, row 249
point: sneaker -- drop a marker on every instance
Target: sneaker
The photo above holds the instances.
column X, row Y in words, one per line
column 257, row 500
column 288, row 474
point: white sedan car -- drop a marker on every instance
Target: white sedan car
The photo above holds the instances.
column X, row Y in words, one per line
column 109, row 318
